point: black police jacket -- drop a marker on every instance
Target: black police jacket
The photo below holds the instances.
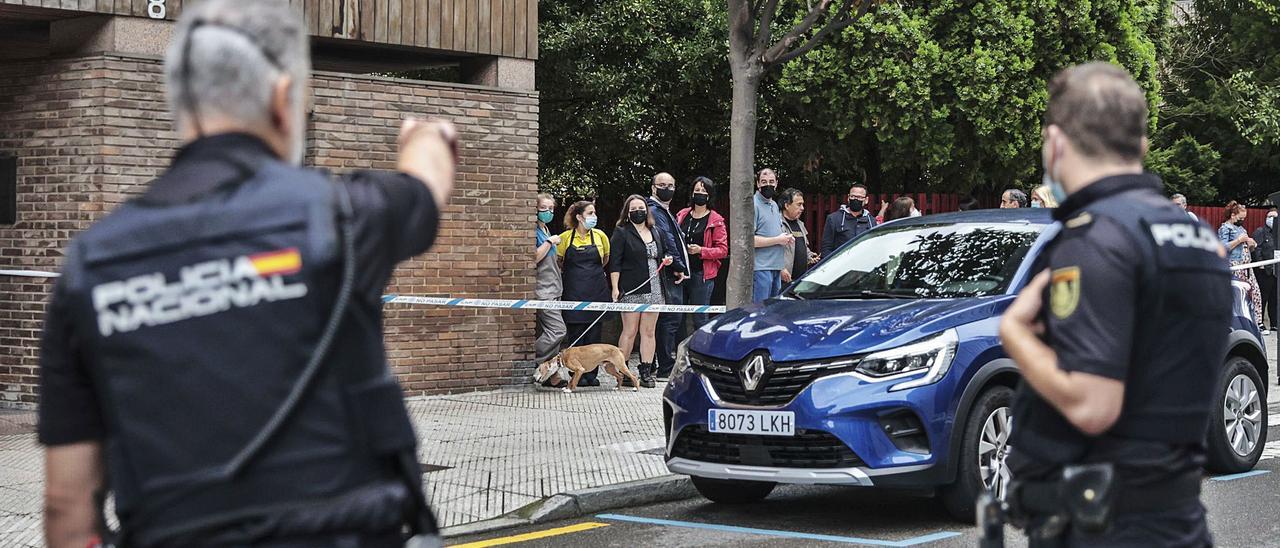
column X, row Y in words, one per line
column 1140, row 293
column 195, row 308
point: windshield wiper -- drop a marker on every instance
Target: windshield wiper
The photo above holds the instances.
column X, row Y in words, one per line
column 865, row 294
column 791, row 292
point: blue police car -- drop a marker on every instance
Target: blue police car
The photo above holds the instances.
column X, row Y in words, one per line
column 882, row 367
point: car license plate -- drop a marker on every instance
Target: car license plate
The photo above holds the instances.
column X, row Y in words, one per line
column 766, row 423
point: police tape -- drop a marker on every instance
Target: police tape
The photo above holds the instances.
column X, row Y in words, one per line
column 523, row 304
column 1255, row 265
column 29, row 273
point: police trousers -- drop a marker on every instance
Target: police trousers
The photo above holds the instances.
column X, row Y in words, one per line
column 1183, row 527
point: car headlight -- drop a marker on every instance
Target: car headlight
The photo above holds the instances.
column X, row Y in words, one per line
column 682, row 358
column 933, row 356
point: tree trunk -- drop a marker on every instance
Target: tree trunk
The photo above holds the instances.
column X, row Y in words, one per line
column 742, row 211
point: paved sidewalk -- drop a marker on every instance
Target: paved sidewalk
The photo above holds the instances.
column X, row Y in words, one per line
column 509, row 448
column 485, row 454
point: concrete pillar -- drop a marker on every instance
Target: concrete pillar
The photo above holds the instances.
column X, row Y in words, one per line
column 499, row 72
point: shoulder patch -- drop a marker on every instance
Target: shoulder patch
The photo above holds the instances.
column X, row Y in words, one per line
column 1064, row 291
column 1079, row 220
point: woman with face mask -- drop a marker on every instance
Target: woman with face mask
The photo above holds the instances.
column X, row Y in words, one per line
column 583, row 252
column 901, row 208
column 1234, row 236
column 1042, row 196
column 708, row 242
column 638, row 252
column 548, row 283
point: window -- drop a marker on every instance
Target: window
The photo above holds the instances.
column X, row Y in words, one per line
column 923, row 261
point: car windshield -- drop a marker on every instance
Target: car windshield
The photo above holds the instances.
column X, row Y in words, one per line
column 945, row 260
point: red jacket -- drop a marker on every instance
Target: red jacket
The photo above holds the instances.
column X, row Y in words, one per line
column 716, row 238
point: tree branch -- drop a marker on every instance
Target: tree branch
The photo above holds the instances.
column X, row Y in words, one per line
column 740, row 32
column 779, row 54
column 764, row 31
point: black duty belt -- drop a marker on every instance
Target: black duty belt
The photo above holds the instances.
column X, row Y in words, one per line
column 1048, row 497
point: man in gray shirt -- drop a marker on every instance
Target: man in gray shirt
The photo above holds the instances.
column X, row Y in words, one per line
column 771, row 240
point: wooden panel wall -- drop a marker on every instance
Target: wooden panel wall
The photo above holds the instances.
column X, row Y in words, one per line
column 495, row 27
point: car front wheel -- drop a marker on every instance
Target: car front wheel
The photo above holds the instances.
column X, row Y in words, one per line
column 732, row 491
column 983, row 451
column 1238, row 428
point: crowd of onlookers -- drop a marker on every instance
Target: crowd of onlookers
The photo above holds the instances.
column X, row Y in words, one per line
column 654, row 256
column 657, row 256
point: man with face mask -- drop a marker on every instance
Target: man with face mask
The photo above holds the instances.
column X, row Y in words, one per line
column 771, row 240
column 1266, row 250
column 1119, row 337
column 211, row 353
column 664, row 222
column 847, row 223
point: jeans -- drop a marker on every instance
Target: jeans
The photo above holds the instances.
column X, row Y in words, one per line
column 696, row 292
column 669, row 327
column 766, row 284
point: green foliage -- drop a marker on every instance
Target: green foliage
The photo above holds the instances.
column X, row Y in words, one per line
column 949, row 95
column 630, row 88
column 1221, row 72
column 1187, row 167
column 942, row 95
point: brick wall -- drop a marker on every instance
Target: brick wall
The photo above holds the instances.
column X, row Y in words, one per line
column 91, row 132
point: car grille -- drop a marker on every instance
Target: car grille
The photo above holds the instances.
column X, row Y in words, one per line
column 779, row 385
column 807, row 449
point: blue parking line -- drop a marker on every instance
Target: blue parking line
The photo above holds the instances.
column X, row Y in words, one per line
column 914, row 541
column 1241, row 475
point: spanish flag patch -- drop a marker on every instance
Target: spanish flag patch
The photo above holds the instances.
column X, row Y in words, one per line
column 284, row 261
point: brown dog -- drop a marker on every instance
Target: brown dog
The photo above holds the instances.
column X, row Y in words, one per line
column 583, row 359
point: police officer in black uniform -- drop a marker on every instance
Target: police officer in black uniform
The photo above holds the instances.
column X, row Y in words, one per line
column 212, row 354
column 1118, row 339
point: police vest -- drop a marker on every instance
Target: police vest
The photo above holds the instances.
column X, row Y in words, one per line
column 197, row 320
column 1183, row 317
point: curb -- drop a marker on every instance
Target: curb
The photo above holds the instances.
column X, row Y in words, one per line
column 583, row 502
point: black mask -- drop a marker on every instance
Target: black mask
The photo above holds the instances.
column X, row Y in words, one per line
column 638, row 216
column 701, row 199
column 769, row 191
column 855, row 205
column 665, row 194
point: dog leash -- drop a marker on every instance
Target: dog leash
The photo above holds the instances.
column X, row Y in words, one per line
column 602, row 313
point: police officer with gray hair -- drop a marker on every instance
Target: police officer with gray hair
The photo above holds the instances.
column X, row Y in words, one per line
column 1119, row 337
column 212, row 356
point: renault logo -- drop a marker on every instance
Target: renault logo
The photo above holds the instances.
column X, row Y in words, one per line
column 753, row 372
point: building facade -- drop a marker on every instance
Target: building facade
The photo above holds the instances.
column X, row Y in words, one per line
column 84, row 126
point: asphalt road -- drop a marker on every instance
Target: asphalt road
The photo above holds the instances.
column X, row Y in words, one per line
column 1243, row 512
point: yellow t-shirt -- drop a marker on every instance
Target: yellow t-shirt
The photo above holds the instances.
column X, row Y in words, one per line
column 579, row 241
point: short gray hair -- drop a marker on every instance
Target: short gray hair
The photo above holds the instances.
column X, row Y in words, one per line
column 1178, row 197
column 226, row 55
